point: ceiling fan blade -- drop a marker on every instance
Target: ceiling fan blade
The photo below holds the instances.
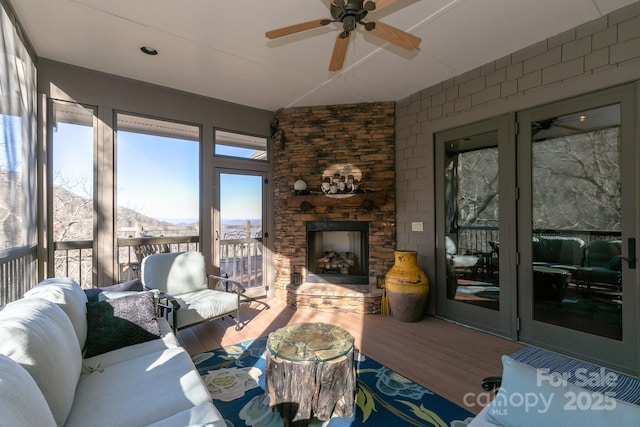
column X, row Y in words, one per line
column 339, row 52
column 396, row 36
column 297, row 28
column 381, row 4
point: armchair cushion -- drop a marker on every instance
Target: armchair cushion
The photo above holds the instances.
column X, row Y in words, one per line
column 175, row 273
column 205, row 304
column 120, row 322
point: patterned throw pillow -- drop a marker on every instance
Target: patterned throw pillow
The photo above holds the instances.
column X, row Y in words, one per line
column 120, row 322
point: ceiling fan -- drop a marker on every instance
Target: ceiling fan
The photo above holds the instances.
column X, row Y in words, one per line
column 350, row 14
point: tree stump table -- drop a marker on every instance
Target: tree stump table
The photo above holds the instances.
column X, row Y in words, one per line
column 310, row 372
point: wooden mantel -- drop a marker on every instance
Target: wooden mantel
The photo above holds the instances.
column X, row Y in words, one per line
column 307, row 202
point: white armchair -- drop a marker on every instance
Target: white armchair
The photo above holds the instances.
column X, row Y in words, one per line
column 182, row 280
column 459, row 261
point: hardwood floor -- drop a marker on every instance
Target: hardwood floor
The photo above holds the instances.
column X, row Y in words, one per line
column 444, row 357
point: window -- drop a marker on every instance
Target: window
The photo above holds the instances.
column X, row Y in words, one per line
column 72, row 222
column 158, row 178
column 17, row 139
column 241, row 146
column 73, row 183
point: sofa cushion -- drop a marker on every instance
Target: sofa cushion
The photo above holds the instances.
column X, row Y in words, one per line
column 38, row 335
column 139, row 391
column 205, row 414
column 531, row 397
column 120, row 322
column 558, row 250
column 22, row 402
column 69, row 296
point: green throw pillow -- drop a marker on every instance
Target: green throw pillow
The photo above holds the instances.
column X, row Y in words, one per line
column 120, row 322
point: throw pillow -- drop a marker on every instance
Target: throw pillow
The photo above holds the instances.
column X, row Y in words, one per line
column 117, row 323
column 93, row 294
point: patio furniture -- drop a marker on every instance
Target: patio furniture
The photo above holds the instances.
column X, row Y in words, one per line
column 603, row 264
column 189, row 292
column 457, row 261
column 569, row 392
column 59, row 365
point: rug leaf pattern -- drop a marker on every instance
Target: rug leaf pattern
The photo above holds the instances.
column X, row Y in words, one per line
column 234, row 376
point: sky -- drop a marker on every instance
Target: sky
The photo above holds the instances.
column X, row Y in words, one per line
column 157, row 176
column 240, row 196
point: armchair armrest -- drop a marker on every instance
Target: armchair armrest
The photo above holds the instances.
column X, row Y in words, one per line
column 229, row 285
column 165, row 303
column 491, row 383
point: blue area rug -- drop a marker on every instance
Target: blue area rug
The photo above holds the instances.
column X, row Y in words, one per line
column 235, row 378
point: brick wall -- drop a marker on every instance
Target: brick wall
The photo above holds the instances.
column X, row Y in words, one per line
column 309, row 140
column 598, row 54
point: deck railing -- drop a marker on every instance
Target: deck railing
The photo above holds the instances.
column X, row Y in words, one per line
column 18, row 272
column 479, row 239
column 241, row 260
column 240, row 257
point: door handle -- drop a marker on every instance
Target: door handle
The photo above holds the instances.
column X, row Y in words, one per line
column 631, row 243
column 217, row 235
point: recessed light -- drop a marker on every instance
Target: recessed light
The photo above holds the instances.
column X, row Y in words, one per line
column 149, row 50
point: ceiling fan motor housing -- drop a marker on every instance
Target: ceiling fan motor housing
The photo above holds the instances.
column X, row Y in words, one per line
column 354, row 10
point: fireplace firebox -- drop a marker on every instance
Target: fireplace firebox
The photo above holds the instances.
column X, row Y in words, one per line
column 338, row 252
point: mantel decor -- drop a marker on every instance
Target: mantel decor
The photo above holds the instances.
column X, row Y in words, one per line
column 367, row 201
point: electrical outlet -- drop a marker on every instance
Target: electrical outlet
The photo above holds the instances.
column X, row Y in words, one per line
column 417, row 226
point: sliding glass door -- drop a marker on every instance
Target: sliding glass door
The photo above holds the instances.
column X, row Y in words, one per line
column 577, row 228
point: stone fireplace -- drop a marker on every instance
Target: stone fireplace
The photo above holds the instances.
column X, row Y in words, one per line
column 337, row 252
column 311, row 143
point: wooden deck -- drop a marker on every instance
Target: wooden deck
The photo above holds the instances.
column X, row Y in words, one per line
column 447, row 358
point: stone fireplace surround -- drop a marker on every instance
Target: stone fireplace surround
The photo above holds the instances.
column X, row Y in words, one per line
column 310, row 142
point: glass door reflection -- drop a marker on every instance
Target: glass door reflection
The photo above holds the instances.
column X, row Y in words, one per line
column 472, row 220
column 577, row 221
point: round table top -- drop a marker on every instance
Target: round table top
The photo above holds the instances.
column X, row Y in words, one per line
column 310, row 342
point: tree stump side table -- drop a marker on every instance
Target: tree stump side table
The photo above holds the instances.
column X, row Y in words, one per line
column 310, row 372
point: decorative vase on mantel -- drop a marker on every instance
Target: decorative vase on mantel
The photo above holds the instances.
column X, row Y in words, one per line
column 407, row 288
column 300, row 186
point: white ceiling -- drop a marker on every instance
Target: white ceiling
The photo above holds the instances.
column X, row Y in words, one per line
column 218, row 48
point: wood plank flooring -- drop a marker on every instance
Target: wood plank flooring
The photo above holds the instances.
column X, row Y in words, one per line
column 444, row 357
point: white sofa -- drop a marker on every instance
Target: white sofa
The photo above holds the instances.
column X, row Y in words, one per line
column 46, row 381
column 529, row 396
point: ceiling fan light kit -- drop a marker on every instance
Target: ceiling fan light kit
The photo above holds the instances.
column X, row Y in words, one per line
column 350, row 14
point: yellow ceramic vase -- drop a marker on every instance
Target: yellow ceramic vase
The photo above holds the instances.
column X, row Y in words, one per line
column 407, row 288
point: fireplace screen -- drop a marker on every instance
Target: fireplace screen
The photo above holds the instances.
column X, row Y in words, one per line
column 338, row 252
